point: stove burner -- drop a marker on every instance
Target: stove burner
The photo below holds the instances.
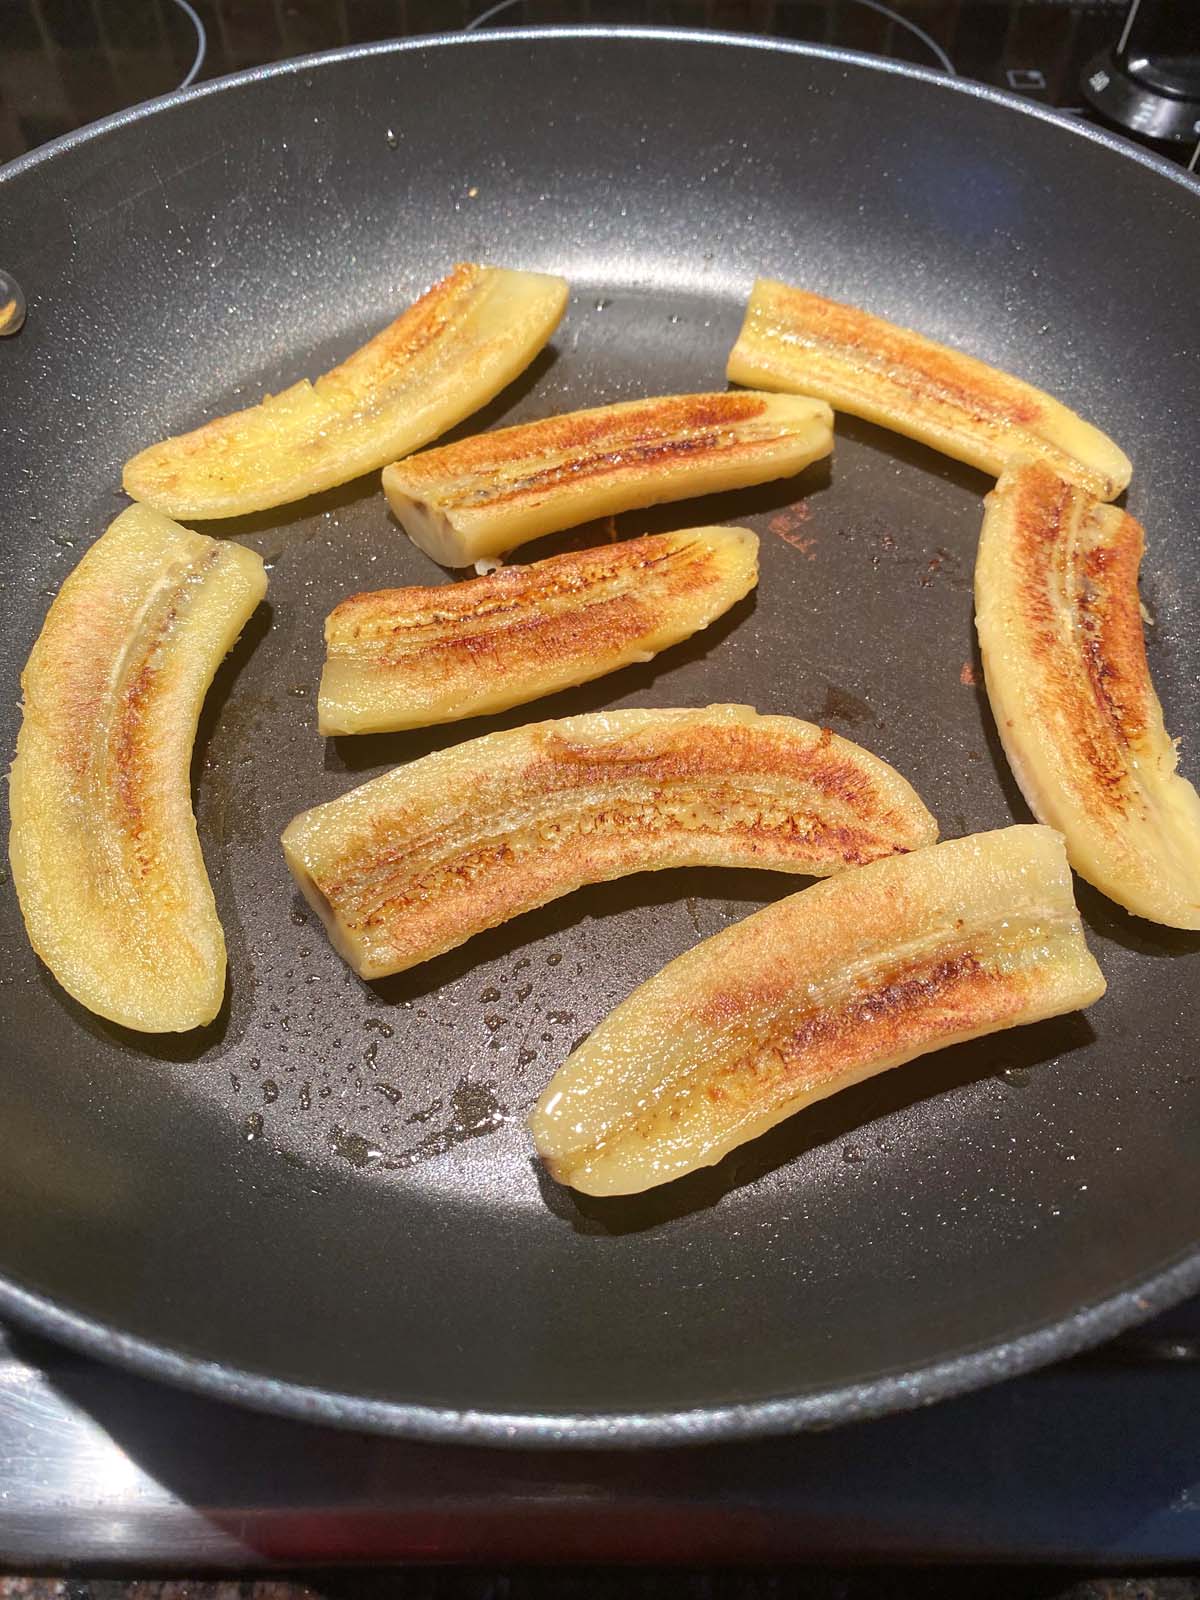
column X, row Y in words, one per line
column 193, row 72
column 914, row 28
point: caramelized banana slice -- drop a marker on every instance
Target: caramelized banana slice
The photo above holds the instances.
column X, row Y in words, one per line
column 817, row 992
column 794, row 340
column 1064, row 659
column 403, row 658
column 443, row 358
column 415, row 862
column 104, row 851
column 491, row 493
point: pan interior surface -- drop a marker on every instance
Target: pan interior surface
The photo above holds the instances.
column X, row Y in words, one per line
column 333, row 1187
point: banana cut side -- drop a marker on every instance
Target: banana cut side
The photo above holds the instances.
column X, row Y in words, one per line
column 415, row 862
column 404, row 658
column 490, row 493
column 104, row 850
column 439, row 361
column 797, row 341
column 817, row 992
column 1064, row 657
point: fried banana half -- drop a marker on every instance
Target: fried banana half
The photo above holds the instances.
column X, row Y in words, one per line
column 1064, row 659
column 404, row 658
column 104, row 850
column 801, row 342
column 415, row 862
column 488, row 494
column 817, row 992
column 443, row 358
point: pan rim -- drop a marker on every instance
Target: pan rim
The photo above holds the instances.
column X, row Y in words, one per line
column 876, row 1396
column 1189, row 182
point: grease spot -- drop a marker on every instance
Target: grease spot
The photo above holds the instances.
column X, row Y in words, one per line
column 842, row 706
column 786, row 525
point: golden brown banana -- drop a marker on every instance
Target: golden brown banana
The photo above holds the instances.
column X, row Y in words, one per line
column 403, row 658
column 488, row 494
column 802, row 342
column 104, row 851
column 443, row 358
column 1064, row 658
column 415, row 862
column 816, row 992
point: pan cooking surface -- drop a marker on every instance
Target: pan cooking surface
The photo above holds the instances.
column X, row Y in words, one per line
column 333, row 1186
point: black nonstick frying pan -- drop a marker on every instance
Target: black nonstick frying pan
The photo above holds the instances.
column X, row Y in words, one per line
column 326, row 1203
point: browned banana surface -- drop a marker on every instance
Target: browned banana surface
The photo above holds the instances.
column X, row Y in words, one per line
column 490, row 493
column 804, row 343
column 104, row 850
column 403, row 658
column 443, row 358
column 415, row 862
column 817, row 992
column 1060, row 631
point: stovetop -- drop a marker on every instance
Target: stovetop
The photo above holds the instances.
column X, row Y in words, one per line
column 1095, row 1460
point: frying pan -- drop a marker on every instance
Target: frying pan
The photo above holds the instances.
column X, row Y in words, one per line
column 326, row 1203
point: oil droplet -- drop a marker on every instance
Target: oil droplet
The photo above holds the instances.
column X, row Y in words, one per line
column 853, row 1153
column 352, row 1147
column 1016, row 1077
column 392, row 141
column 429, row 1112
column 476, row 1109
column 524, row 992
column 524, row 1057
column 235, row 1082
column 603, row 304
column 489, row 995
column 270, row 1092
column 305, row 1097
column 494, row 1020
column 384, row 1029
column 371, row 1052
column 553, row 959
column 253, row 1126
column 389, row 1092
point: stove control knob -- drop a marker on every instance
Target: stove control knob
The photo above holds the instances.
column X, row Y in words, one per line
column 1148, row 82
